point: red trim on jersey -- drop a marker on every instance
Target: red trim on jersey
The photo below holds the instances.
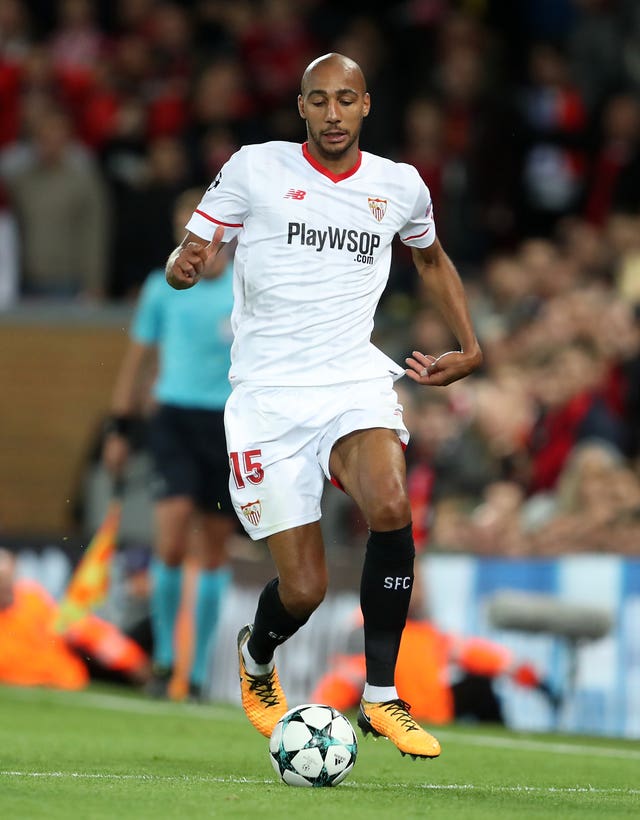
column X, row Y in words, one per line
column 327, row 173
column 417, row 236
column 217, row 221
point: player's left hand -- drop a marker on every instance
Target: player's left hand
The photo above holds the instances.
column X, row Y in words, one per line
column 441, row 370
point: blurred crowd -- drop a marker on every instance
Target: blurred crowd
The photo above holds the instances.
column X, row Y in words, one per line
column 524, row 120
column 539, row 454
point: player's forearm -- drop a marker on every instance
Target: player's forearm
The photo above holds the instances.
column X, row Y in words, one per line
column 446, row 293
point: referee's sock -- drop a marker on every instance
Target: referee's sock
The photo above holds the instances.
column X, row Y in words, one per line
column 211, row 588
column 166, row 590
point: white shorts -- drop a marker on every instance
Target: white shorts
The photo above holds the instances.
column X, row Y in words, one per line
column 279, row 441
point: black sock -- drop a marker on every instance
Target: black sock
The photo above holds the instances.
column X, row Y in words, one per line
column 272, row 624
column 385, row 591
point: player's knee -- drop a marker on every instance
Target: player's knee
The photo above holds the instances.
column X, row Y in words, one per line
column 304, row 596
column 390, row 513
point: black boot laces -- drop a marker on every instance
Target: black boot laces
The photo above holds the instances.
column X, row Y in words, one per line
column 263, row 686
column 399, row 709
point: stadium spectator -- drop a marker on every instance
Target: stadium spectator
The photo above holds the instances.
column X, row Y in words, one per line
column 510, row 300
column 220, row 98
column 15, row 32
column 617, row 145
column 16, row 43
column 457, row 452
column 554, row 120
column 144, row 206
column 171, row 47
column 190, row 334
column 171, row 36
column 551, row 272
column 363, row 38
column 477, row 205
column 117, row 126
column 134, row 16
column 628, row 19
column 290, row 422
column 588, row 248
column 593, row 491
column 76, row 43
column 49, row 194
column 594, row 49
column 616, row 334
column 9, row 261
column 423, row 144
column 568, row 385
column 274, row 47
column 595, row 507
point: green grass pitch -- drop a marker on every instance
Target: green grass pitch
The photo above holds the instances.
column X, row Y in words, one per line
column 108, row 753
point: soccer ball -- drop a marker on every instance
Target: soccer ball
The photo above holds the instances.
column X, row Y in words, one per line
column 313, row 745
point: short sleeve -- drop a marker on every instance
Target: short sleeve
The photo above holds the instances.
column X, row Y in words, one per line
column 226, row 200
column 420, row 229
column 146, row 326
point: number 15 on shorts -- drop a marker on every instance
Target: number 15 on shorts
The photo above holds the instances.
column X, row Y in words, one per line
column 245, row 467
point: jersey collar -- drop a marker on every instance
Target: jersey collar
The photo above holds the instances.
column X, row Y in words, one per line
column 325, row 171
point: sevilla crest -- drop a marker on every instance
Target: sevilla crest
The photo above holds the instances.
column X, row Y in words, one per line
column 252, row 512
column 378, row 207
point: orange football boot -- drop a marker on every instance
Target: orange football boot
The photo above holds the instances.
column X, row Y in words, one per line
column 263, row 700
column 391, row 719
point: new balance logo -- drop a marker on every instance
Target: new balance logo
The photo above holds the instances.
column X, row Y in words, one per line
column 292, row 193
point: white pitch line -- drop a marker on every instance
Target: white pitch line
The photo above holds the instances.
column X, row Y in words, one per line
column 249, row 781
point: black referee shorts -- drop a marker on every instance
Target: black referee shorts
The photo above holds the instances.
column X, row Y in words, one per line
column 189, row 456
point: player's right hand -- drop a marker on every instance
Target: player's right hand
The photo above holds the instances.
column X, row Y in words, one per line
column 191, row 258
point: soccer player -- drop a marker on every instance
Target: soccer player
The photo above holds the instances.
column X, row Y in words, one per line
column 193, row 514
column 312, row 397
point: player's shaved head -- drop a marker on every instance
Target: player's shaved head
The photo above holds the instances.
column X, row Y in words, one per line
column 333, row 101
column 350, row 69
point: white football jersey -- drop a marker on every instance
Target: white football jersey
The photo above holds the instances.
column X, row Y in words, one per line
column 313, row 258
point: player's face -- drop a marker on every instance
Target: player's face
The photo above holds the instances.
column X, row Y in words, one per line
column 333, row 103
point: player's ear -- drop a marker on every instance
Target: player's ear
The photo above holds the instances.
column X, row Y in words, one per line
column 301, row 106
column 366, row 104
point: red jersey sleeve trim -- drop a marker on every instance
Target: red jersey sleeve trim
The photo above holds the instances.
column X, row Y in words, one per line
column 217, row 221
column 325, row 171
column 416, row 236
